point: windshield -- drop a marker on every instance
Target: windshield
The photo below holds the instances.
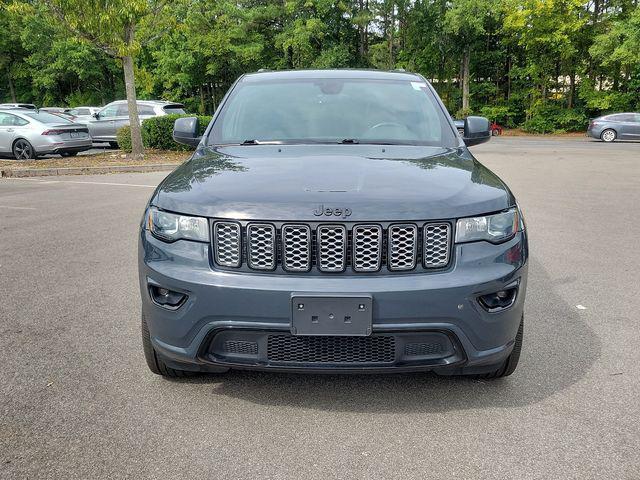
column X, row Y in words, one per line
column 174, row 109
column 48, row 118
column 332, row 111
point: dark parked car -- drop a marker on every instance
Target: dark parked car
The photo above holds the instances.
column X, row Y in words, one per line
column 623, row 126
column 332, row 221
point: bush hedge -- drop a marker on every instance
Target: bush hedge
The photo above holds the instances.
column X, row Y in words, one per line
column 123, row 136
column 157, row 132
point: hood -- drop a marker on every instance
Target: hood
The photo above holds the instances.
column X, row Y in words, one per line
column 358, row 182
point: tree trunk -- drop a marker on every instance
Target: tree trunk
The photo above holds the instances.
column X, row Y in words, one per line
column 572, row 89
column 12, row 90
column 137, row 149
column 465, row 78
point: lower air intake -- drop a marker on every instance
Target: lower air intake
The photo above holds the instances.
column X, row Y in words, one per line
column 293, row 349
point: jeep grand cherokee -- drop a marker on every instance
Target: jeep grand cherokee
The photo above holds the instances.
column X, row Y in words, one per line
column 332, row 221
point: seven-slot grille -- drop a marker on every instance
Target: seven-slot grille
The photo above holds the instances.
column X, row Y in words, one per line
column 332, row 248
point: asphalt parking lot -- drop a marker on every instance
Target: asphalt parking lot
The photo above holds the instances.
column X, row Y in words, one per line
column 77, row 400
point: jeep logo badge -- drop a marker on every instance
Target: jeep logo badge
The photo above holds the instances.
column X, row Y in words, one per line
column 332, row 212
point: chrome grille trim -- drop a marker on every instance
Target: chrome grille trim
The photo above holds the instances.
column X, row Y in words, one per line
column 402, row 246
column 332, row 248
column 261, row 246
column 367, row 248
column 227, row 243
column 296, row 248
column 436, row 245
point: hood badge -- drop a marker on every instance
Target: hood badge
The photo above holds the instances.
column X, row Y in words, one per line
column 332, row 212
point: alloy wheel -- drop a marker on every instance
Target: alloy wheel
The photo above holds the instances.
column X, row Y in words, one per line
column 608, row 135
column 23, row 150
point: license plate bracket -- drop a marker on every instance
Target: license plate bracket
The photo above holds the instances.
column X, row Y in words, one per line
column 335, row 315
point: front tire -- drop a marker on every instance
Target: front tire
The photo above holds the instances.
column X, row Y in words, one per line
column 23, row 150
column 510, row 364
column 155, row 364
column 608, row 135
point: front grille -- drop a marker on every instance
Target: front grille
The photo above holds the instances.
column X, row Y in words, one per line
column 261, row 239
column 332, row 248
column 226, row 237
column 403, row 243
column 293, row 349
column 367, row 248
column 437, row 237
column 296, row 248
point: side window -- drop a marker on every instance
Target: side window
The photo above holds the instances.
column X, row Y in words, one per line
column 8, row 120
column 123, row 110
column 145, row 110
column 81, row 111
column 637, row 117
column 109, row 112
column 74, row 111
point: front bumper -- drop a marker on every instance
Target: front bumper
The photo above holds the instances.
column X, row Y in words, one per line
column 433, row 321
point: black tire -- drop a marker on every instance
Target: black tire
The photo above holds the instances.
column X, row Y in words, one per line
column 608, row 135
column 23, row 150
column 114, row 145
column 69, row 154
column 510, row 364
column 155, row 364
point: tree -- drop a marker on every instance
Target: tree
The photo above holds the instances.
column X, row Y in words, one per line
column 111, row 26
column 465, row 22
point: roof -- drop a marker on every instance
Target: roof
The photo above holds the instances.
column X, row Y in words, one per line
column 345, row 73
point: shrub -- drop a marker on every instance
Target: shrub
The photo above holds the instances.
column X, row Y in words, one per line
column 124, row 138
column 157, row 132
column 553, row 118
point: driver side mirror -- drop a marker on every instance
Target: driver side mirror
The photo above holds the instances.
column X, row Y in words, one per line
column 476, row 130
column 96, row 115
column 186, row 131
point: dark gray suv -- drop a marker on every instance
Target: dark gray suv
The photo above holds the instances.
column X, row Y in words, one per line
column 332, row 221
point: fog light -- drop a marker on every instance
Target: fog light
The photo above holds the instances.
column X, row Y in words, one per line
column 499, row 300
column 166, row 298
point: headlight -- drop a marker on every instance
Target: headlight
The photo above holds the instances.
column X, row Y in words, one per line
column 170, row 227
column 493, row 228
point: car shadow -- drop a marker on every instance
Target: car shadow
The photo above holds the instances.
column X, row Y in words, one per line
column 559, row 349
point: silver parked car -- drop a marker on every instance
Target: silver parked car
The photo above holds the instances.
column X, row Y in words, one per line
column 623, row 126
column 83, row 114
column 26, row 134
column 112, row 117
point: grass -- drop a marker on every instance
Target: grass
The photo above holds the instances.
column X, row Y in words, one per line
column 106, row 159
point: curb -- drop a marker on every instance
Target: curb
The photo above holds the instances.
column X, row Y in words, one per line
column 47, row 172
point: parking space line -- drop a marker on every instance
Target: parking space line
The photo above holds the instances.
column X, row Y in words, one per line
column 45, row 182
column 17, row 208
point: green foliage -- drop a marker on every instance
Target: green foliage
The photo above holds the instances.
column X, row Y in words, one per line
column 157, row 132
column 553, row 118
column 123, row 136
column 542, row 64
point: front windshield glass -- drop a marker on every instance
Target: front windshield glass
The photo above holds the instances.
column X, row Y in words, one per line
column 48, row 118
column 332, row 111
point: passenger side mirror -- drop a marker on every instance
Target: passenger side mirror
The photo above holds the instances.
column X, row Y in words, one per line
column 96, row 115
column 186, row 131
column 476, row 130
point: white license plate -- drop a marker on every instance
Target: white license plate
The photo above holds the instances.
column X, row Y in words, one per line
column 77, row 134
